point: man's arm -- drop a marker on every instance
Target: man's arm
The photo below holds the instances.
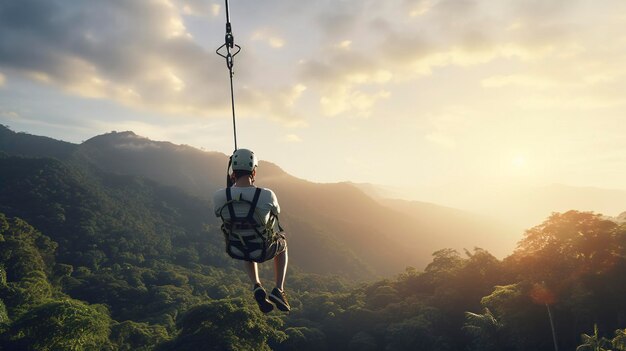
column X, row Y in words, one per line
column 274, row 204
column 219, row 199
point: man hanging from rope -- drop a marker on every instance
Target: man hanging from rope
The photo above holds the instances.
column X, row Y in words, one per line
column 251, row 228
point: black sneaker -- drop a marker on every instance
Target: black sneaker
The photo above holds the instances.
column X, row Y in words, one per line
column 260, row 295
column 279, row 298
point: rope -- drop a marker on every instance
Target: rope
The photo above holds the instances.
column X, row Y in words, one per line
column 229, row 44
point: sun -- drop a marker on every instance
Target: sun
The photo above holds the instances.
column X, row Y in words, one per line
column 518, row 162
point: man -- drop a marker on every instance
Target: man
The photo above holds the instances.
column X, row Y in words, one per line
column 254, row 211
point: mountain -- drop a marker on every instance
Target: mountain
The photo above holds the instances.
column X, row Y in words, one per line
column 32, row 145
column 332, row 228
column 458, row 229
column 621, row 218
column 515, row 207
column 559, row 198
column 197, row 172
column 98, row 218
column 319, row 217
column 528, row 205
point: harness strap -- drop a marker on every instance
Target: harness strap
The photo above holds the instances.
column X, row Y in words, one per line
column 229, row 198
column 255, row 201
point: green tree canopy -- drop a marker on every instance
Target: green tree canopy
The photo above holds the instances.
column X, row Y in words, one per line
column 227, row 324
column 67, row 325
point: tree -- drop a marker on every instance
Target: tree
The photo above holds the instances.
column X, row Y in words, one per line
column 575, row 264
column 594, row 342
column 303, row 338
column 567, row 246
column 4, row 317
column 67, row 325
column 619, row 341
column 133, row 336
column 486, row 331
column 227, row 324
column 412, row 334
column 512, row 306
column 363, row 341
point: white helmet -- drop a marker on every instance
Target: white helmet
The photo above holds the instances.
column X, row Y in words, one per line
column 244, row 160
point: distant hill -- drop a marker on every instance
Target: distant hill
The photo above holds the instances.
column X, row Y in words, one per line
column 197, row 172
column 311, row 211
column 621, row 218
column 98, row 218
column 460, row 229
column 526, row 206
column 31, row 145
column 516, row 208
column 562, row 197
column 332, row 228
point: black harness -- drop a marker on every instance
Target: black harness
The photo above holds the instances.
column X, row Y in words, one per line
column 247, row 244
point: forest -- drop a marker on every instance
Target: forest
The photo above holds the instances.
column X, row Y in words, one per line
column 91, row 260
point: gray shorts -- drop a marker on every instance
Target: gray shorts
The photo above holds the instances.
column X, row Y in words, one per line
column 239, row 252
column 278, row 247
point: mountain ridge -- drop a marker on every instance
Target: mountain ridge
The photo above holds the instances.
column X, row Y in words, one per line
column 369, row 235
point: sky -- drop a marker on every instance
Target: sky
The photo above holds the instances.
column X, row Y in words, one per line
column 418, row 95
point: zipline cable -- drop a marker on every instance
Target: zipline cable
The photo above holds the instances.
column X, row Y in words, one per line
column 229, row 44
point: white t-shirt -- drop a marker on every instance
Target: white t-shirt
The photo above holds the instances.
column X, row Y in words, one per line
column 267, row 202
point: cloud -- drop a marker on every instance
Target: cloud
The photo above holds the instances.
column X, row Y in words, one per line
column 570, row 102
column 138, row 146
column 276, row 104
column 267, row 35
column 98, row 49
column 11, row 115
column 417, row 8
column 527, row 81
column 344, row 98
column 292, row 138
column 199, row 8
column 2, row 79
column 374, row 51
column 354, row 54
column 347, row 82
column 139, row 54
column 344, row 44
column 446, row 126
column 443, row 140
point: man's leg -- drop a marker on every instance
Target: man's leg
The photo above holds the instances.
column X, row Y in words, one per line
column 280, row 269
column 252, row 269
column 260, row 295
column 277, row 296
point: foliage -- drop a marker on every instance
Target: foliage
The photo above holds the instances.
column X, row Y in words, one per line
column 486, row 331
column 74, row 239
column 133, row 336
column 619, row 342
column 61, row 325
column 227, row 324
column 594, row 342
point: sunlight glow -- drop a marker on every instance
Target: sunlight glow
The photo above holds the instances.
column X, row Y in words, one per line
column 276, row 42
column 177, row 84
column 421, row 9
column 519, row 162
column 345, row 44
column 215, row 9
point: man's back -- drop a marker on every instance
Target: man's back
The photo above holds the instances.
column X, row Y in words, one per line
column 267, row 202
